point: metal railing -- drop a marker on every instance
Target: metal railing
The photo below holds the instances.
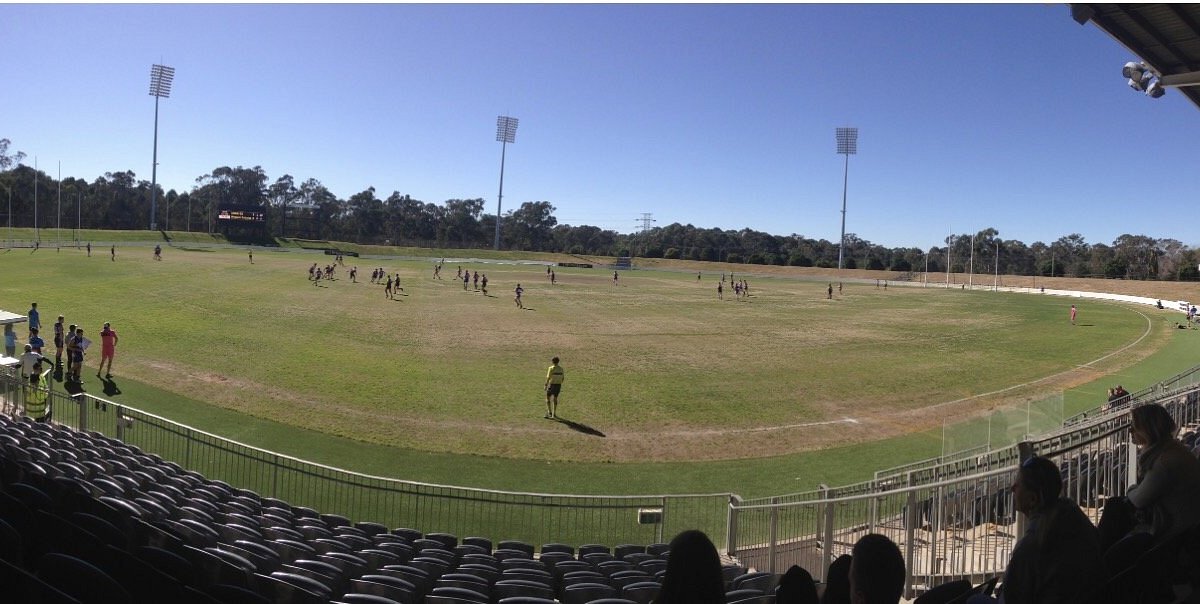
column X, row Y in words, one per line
column 533, row 518
column 953, row 518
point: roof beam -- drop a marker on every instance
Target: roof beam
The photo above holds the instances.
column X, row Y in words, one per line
column 1153, row 33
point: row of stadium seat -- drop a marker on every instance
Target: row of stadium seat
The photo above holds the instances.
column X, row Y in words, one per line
column 136, row 528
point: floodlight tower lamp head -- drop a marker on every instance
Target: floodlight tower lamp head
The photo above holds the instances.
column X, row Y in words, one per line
column 847, row 141
column 161, row 78
column 506, row 129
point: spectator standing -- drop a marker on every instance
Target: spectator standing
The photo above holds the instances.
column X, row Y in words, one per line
column 59, row 341
column 70, row 337
column 35, row 321
column 37, row 404
column 28, row 359
column 76, row 351
column 36, row 341
column 108, row 348
column 10, row 341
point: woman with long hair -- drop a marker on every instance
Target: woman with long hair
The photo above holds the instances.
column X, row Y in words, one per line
column 693, row 572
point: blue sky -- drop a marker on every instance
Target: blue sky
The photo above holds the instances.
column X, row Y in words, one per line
column 970, row 116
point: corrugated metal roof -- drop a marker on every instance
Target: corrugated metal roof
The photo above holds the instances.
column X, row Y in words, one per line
column 1165, row 36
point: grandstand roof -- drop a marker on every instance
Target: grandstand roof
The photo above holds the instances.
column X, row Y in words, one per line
column 1165, row 36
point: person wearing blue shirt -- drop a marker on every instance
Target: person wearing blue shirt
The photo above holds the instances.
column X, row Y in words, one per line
column 35, row 322
column 36, row 341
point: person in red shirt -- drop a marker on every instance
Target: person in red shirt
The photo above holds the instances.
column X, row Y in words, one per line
column 108, row 349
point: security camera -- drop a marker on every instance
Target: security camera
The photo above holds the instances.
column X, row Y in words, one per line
column 1155, row 89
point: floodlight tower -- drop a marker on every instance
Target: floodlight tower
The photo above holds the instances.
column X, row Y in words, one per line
column 161, row 77
column 847, row 144
column 506, row 132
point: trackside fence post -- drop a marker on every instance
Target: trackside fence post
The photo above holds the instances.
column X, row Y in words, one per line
column 731, row 525
column 911, row 519
column 827, row 551
column 773, row 538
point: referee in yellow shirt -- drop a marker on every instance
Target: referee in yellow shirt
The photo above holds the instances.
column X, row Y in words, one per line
column 554, row 380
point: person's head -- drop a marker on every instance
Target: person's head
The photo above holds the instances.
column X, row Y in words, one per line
column 876, row 571
column 554, row 361
column 28, row 348
column 79, row 331
column 837, row 581
column 107, row 325
column 61, row 318
column 1152, row 425
column 796, row 586
column 693, row 572
column 1037, row 485
column 71, row 328
column 33, row 305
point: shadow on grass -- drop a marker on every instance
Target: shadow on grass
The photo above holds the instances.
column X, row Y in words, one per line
column 110, row 387
column 581, row 428
column 188, row 248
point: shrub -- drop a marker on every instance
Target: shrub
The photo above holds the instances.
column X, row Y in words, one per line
column 671, row 253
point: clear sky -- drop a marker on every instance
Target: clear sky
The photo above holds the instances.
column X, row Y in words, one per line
column 969, row 116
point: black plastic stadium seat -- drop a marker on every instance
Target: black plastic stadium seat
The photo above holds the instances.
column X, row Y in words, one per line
column 456, row 594
column 81, row 580
column 483, row 542
column 582, row 593
column 511, row 588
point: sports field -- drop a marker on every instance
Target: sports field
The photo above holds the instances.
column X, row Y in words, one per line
column 660, row 372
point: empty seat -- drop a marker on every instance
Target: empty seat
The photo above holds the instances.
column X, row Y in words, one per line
column 371, row 528
column 277, row 590
column 483, row 542
column 447, row 540
column 763, row 582
column 304, row 582
column 387, row 586
column 455, row 595
column 582, row 593
column 657, row 549
column 81, row 580
column 736, row 595
column 625, row 549
column 510, row 588
column 519, row 546
column 642, row 593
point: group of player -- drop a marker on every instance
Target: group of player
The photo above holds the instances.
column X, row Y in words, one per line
column 467, row 276
column 740, row 287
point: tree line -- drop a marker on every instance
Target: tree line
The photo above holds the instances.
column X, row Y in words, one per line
column 307, row 209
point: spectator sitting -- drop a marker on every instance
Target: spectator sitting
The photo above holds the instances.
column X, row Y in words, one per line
column 693, row 572
column 837, row 581
column 796, row 587
column 1168, row 475
column 876, row 571
column 1159, row 507
column 1059, row 554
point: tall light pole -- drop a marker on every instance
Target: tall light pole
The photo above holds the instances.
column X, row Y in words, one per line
column 161, row 77
column 996, row 279
column 847, row 144
column 506, row 132
column 9, row 189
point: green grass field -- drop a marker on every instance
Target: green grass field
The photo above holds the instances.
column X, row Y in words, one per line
column 668, row 389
